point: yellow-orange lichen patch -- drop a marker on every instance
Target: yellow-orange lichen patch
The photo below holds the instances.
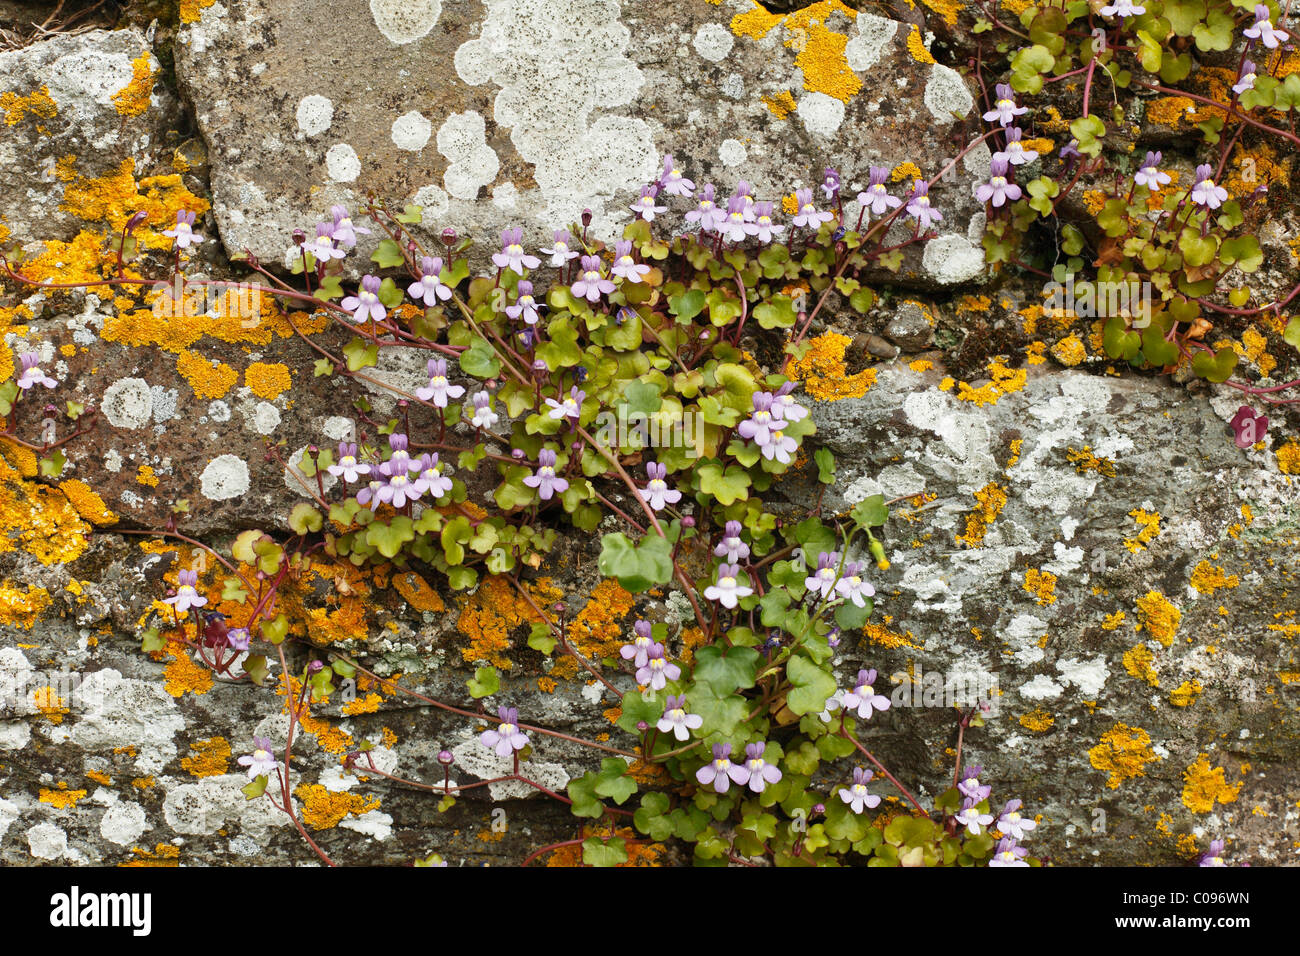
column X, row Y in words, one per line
column 363, row 705
column 1003, row 381
column 989, row 502
column 638, row 854
column 1288, row 458
column 495, row 610
column 62, row 798
column 916, row 46
column 19, row 608
column 208, row 758
column 1185, row 694
column 824, row 374
column 133, row 99
column 882, row 636
column 208, row 380
column 88, row 503
column 267, row 380
column 144, row 475
column 1123, row 753
column 323, row 809
column 39, row 519
column 183, row 673
column 1148, row 523
column 163, row 854
column 38, row 103
column 1208, row 578
column 1204, row 786
column 1159, row 617
column 1069, row 351
column 1085, row 461
column 1037, row 720
column 99, row 777
column 597, row 632
column 191, row 11
column 1041, row 584
column 1139, row 663
column 418, row 592
column 780, row 105
column 49, row 704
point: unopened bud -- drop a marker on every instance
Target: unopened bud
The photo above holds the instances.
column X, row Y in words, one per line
column 688, row 521
column 449, row 236
column 446, row 758
column 586, row 217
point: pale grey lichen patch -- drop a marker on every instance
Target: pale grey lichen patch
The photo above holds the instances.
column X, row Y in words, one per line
column 128, row 403
column 473, row 163
column 411, row 131
column 946, row 94
column 123, row 823
column 126, row 709
column 342, row 163
column 47, row 841
column 213, row 803
column 225, row 477
column 265, row 418
column 713, row 41
column 475, row 759
column 732, row 152
column 820, row 113
column 405, row 21
column 952, row 258
column 315, row 114
column 863, row 50
column 338, row 428
column 164, row 403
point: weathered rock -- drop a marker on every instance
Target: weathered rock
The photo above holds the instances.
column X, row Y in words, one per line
column 911, row 329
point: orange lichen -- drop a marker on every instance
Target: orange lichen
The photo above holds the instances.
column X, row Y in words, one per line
column 183, row 673
column 38, row 103
column 267, row 380
column 18, row 609
column 1112, row 621
column 1084, row 461
column 1037, row 720
column 989, row 501
column 597, row 631
column 144, row 475
column 49, row 704
column 1207, row 578
column 1203, row 786
column 1185, row 694
column 781, row 105
column 1004, row 382
column 99, row 777
column 210, row 758
column 88, row 504
column 1149, row 523
column 495, row 610
column 1138, row 662
column 880, row 635
column 418, row 592
column 824, row 374
column 1159, row 617
column 1123, row 753
column 638, row 854
column 323, row 809
column 1041, row 584
column 1069, row 351
column 163, row 854
column 207, row 380
column 133, row 99
column 39, row 519
column 363, row 705
column 192, row 10
column 916, row 46
column 820, row 50
column 62, row 798
column 754, row 23
column 1288, row 458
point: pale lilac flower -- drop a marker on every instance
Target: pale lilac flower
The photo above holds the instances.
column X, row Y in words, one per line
column 187, row 595
column 857, row 796
column 756, row 771
column 591, row 281
column 656, row 492
column 763, row 226
column 525, row 306
column 1008, row 854
column 1124, row 8
column 676, row 720
column 1013, row 823
column 997, row 190
column 430, row 478
column 784, row 405
column 1246, row 81
column 322, row 247
column 507, row 738
column 876, row 197
column 852, row 586
column 863, row 697
column 919, row 206
column 484, row 416
column 672, row 180
column 261, row 760
column 745, row 193
column 834, row 703
column 779, row 446
column 183, row 232
column 830, row 183
column 972, row 819
column 657, row 670
column 1004, row 107
column 645, row 207
column 238, row 638
column 731, row 547
column 808, row 215
column 400, row 461
column 439, row 389
column 822, row 581
column 32, row 373
column 727, row 591
column 1150, row 175
column 400, row 488
column 1263, row 29
column 1214, row 856
column 429, row 288
column 560, row 252
column 720, row 771
column 347, row 467
column 625, row 266
column 545, row 480
column 369, row 495
column 1014, row 152
column 343, row 230
column 706, row 212
column 512, row 255
column 735, row 227
column 1206, row 192
column 638, row 652
column 762, row 421
column 970, row 785
column 570, row 407
column 365, row 304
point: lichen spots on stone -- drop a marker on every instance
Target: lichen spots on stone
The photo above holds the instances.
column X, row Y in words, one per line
column 209, row 378
column 989, row 502
column 1042, row 585
column 780, row 105
column 1139, row 662
column 405, row 21
column 597, row 632
column 916, row 46
column 38, row 103
column 1148, row 523
column 1288, row 458
column 115, row 197
column 824, row 374
column 1038, row 720
column 192, row 10
column 19, row 608
column 133, row 99
column 225, row 476
column 87, row 502
column 1204, row 786
column 1003, row 381
column 39, row 520
column 1208, row 578
column 208, row 758
column 418, row 592
column 489, row 617
column 183, row 674
column 1185, row 694
column 323, row 809
column 268, row 380
column 1123, row 753
column 1159, row 617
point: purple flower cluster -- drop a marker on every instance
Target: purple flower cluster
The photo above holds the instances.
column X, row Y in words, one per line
column 754, row 770
column 399, row 480
column 1010, row 824
column 767, row 421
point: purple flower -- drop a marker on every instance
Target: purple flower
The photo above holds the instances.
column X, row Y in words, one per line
column 400, row 461
column 365, row 304
column 1214, row 856
column 182, row 232
column 1008, row 854
column 238, row 638
column 484, row 416
column 638, row 652
column 512, row 255
column 261, row 760
column 370, row 494
column 762, row 421
column 32, row 373
column 439, row 389
column 706, row 212
column 1070, row 151
column 1246, row 81
column 876, row 198
column 1149, row 175
column 830, row 183
column 560, row 252
column 857, row 796
column 779, row 447
column 429, row 288
column 645, row 207
column 822, row 581
column 997, row 190
column 525, row 306
column 570, row 407
column 347, row 467
column 400, row 488
column 1263, row 29
column 1248, row 426
column 919, row 207
column 756, row 771
column 507, row 738
column 745, row 193
column 545, row 480
column 970, row 785
column 322, row 247
column 720, row 771
column 784, row 406
column 735, row 226
column 187, row 595
column 657, row 670
column 852, row 586
column 430, row 478
column 727, row 591
column 1014, row 152
column 833, row 703
column 672, row 180
column 863, row 697
column 731, row 547
column 808, row 215
column 972, row 819
column 676, row 720
column 343, row 230
column 625, row 266
column 656, row 492
column 1004, row 107
column 763, row 226
column 591, row 281
column 1013, row 823
column 1206, row 192
column 1124, row 8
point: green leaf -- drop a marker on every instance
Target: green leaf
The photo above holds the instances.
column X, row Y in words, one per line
column 726, row 670
column 1243, row 251
column 640, row 707
column 687, row 305
column 652, row 816
column 596, row 852
column 727, row 486
column 1216, row 367
column 255, row 789
column 812, row 686
column 485, row 682
column 480, row 359
column 562, row 350
column 389, row 538
column 637, row 566
column 583, row 794
column 613, row 780
column 870, row 512
column 388, row 255
column 304, row 519
column 1292, row 333
column 776, row 313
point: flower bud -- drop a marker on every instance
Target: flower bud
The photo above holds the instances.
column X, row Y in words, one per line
column 688, row 521
column 446, row 758
column 315, row 667
column 586, row 218
column 449, row 236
